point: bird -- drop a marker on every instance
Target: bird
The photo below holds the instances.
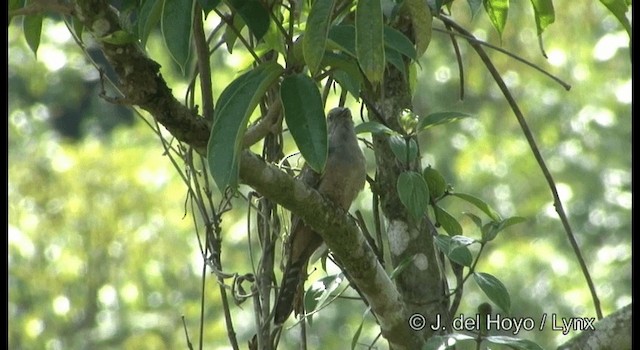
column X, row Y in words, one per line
column 343, row 177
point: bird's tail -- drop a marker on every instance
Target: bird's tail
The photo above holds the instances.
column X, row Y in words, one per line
column 288, row 289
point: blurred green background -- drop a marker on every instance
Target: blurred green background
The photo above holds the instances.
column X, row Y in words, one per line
column 103, row 255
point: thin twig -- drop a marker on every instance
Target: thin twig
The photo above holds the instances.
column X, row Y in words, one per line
column 538, row 156
column 475, row 41
column 204, row 66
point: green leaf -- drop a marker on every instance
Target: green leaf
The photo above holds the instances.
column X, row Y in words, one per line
column 235, row 105
column 447, row 221
column 32, row 27
column 374, row 128
column 395, row 58
column 497, row 11
column 435, row 181
column 514, row 343
column 370, row 39
column 491, row 229
column 413, row 193
column 461, row 255
column 314, row 40
column 619, row 9
column 148, row 18
column 208, row 5
column 345, row 63
column 439, row 118
column 348, row 82
column 480, row 204
column 254, row 14
column 455, row 248
column 476, row 220
column 320, row 290
column 474, row 7
column 494, row 289
column 422, row 22
column 397, row 41
column 544, row 14
column 356, row 335
column 230, row 32
column 177, row 17
column 405, row 152
column 304, row 113
column 343, row 38
column 512, row 221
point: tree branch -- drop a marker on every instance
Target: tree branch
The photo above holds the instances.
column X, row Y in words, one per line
column 342, row 236
column 142, row 85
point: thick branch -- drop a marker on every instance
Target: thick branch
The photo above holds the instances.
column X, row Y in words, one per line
column 142, row 85
column 611, row 332
column 342, row 236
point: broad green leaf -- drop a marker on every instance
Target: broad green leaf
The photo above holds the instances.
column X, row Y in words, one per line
column 455, row 249
column 491, row 229
column 458, row 250
column 255, row 15
column 474, row 6
column 320, row 290
column 304, row 113
column 370, row 39
column 344, row 63
column 14, row 5
column 544, row 14
column 405, row 151
column 343, row 38
column 438, row 118
column 512, row 221
column 177, row 17
column 208, row 5
column 435, row 181
column 494, row 289
column 230, row 32
column 447, row 221
column 421, row 20
column 460, row 255
column 619, row 9
column 348, row 83
column 476, row 220
column 514, row 343
column 497, row 11
column 397, row 41
column 395, row 58
column 413, row 193
column 235, row 105
column 148, row 18
column 32, row 27
column 480, row 204
column 314, row 40
column 374, row 128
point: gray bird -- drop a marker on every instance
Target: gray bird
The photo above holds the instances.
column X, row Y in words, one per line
column 343, row 177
